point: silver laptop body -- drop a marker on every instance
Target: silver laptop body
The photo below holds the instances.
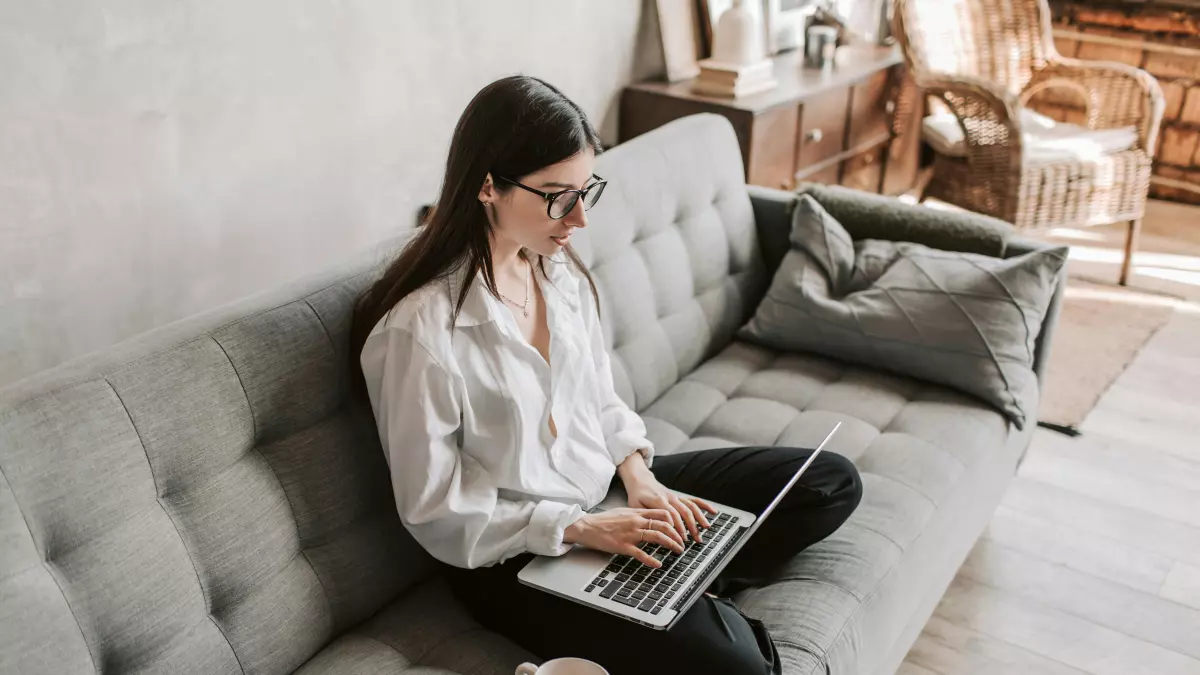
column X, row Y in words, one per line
column 600, row 579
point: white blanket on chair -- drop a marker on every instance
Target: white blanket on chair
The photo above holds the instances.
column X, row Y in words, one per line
column 1045, row 140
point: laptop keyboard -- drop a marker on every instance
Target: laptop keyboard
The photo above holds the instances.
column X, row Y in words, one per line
column 630, row 582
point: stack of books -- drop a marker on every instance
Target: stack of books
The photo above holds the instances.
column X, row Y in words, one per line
column 732, row 80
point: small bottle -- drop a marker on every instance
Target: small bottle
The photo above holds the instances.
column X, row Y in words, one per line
column 820, row 46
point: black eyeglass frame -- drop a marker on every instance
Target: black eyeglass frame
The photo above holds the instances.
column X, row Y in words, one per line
column 551, row 196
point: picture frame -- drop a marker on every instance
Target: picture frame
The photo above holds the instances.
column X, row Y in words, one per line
column 784, row 23
column 705, row 21
column 679, row 27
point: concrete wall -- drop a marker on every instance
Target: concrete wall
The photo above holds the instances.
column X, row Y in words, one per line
column 161, row 158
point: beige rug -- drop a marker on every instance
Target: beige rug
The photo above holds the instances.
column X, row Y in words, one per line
column 1101, row 330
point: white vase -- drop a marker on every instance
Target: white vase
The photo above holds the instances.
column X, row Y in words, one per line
column 737, row 38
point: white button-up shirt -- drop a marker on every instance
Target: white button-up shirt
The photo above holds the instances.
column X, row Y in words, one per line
column 464, row 418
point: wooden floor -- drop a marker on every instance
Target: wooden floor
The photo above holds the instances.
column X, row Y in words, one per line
column 1091, row 564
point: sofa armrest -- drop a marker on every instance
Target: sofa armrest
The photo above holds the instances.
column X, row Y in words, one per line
column 773, row 220
column 871, row 216
column 1041, row 347
column 867, row 215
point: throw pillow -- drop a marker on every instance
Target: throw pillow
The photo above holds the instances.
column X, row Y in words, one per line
column 964, row 320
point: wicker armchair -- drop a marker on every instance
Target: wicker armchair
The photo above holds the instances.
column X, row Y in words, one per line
column 985, row 59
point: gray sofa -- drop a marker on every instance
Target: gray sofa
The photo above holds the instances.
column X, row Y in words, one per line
column 203, row 498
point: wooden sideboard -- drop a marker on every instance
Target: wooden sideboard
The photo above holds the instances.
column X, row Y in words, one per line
column 827, row 127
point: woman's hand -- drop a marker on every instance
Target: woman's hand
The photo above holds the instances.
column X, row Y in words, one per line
column 687, row 513
column 621, row 530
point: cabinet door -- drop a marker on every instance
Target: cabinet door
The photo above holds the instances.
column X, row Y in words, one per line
column 822, row 133
column 864, row 171
column 830, row 174
column 869, row 117
column 772, row 156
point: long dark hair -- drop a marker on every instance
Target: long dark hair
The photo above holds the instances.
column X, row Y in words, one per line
column 513, row 127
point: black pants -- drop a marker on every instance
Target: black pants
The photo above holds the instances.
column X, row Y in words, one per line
column 714, row 636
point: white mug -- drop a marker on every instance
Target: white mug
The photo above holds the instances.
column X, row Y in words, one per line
column 567, row 666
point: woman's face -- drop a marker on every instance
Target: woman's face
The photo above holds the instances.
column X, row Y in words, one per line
column 520, row 217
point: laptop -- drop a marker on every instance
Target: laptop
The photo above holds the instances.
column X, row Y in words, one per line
column 657, row 598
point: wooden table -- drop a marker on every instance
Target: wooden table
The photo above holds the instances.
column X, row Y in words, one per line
column 833, row 126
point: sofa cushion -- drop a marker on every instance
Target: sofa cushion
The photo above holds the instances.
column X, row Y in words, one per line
column 423, row 632
column 961, row 319
column 912, row 441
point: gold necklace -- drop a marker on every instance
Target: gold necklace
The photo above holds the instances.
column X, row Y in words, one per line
column 524, row 306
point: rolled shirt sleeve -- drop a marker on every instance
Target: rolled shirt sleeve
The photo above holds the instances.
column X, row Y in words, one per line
column 445, row 498
column 547, row 526
column 624, row 429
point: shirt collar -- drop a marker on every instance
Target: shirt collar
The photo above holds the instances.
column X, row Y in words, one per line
column 476, row 309
column 479, row 308
column 563, row 282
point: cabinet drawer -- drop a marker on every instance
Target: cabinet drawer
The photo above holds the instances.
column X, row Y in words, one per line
column 864, row 171
column 822, row 128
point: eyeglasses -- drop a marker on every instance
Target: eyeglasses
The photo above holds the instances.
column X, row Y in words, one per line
column 559, row 204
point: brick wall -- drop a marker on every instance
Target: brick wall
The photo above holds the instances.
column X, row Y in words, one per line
column 1163, row 38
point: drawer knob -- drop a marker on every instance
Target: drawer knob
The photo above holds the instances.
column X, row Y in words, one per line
column 815, row 135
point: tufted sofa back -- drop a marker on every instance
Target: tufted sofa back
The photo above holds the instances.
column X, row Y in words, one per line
column 201, row 499
column 204, row 498
column 674, row 252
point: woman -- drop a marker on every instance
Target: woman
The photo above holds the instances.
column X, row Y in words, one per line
column 485, row 365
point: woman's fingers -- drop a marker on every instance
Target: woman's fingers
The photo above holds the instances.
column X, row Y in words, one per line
column 689, row 516
column 680, row 521
column 698, row 512
column 664, row 540
column 665, row 528
column 659, row 514
column 704, row 505
column 676, row 517
column 643, row 557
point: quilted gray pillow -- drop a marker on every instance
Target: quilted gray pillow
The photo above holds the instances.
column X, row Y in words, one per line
column 963, row 320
